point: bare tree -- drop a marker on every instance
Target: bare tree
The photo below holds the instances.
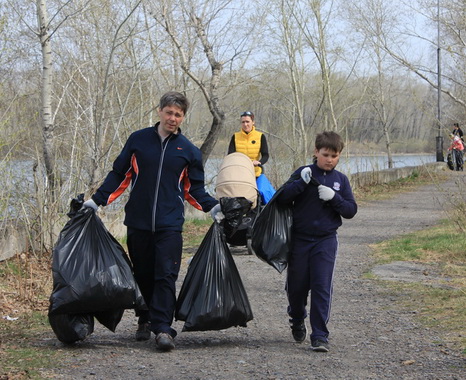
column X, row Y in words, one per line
column 290, row 40
column 213, row 26
column 314, row 18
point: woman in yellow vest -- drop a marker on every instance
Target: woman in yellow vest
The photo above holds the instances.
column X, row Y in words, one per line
column 253, row 144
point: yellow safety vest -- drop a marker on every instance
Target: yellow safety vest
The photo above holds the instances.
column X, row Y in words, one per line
column 250, row 145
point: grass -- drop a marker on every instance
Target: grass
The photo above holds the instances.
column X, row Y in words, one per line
column 441, row 247
column 21, row 357
column 194, row 232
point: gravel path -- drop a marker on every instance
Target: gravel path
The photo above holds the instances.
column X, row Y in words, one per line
column 370, row 337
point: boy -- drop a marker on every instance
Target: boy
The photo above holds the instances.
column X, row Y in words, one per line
column 317, row 213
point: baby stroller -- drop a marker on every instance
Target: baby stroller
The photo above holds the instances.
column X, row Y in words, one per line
column 239, row 199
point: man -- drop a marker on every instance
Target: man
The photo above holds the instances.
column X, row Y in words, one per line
column 163, row 168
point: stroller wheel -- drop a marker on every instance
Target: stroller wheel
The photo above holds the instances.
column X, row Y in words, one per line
column 249, row 245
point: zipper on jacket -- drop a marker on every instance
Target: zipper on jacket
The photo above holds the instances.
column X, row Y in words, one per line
column 164, row 145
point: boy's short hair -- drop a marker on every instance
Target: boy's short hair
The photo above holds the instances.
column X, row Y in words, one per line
column 174, row 98
column 329, row 140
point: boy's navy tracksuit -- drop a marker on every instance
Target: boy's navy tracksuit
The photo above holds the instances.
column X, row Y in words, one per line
column 314, row 249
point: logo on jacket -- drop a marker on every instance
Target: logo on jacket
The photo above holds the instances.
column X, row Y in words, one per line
column 336, row 186
column 253, row 141
column 179, row 148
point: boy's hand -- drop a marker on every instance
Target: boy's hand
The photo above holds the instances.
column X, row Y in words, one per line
column 306, row 174
column 325, row 193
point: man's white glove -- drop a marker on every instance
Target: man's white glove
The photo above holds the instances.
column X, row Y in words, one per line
column 217, row 214
column 306, row 174
column 91, row 204
column 325, row 193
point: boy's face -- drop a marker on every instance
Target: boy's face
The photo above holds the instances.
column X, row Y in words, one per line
column 327, row 159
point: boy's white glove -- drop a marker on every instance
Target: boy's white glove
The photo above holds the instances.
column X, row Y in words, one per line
column 217, row 214
column 91, row 204
column 325, row 192
column 306, row 174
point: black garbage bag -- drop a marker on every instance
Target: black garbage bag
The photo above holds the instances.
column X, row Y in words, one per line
column 271, row 230
column 69, row 328
column 234, row 208
column 450, row 161
column 212, row 296
column 110, row 318
column 91, row 272
column 271, row 233
column 238, row 219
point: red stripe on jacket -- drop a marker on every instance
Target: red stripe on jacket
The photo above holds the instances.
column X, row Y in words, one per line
column 184, row 178
column 125, row 183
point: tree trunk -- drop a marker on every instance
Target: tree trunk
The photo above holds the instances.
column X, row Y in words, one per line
column 46, row 94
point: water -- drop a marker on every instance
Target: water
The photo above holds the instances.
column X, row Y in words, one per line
column 358, row 164
column 354, row 164
column 347, row 165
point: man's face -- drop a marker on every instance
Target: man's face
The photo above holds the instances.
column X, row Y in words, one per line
column 327, row 159
column 246, row 123
column 171, row 118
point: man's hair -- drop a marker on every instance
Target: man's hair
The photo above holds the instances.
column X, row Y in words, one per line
column 173, row 98
column 329, row 140
column 456, row 125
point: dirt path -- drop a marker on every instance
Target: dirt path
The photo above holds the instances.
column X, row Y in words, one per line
column 370, row 337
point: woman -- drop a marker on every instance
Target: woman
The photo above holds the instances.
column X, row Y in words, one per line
column 253, row 144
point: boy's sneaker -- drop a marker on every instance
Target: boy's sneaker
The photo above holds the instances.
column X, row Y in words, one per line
column 298, row 329
column 164, row 342
column 320, row 345
column 143, row 332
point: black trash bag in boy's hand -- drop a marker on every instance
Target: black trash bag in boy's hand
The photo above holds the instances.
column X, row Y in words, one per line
column 271, row 233
column 212, row 296
column 91, row 272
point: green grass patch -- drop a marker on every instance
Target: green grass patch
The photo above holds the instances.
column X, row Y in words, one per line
column 194, row 231
column 21, row 356
column 442, row 246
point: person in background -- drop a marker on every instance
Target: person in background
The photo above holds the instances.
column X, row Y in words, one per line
column 457, row 131
column 162, row 168
column 457, row 150
column 253, row 144
column 317, row 214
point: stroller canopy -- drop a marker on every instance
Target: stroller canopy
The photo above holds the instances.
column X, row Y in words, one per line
column 236, row 178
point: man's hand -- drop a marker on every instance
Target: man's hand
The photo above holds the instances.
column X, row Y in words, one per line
column 91, row 204
column 306, row 174
column 325, row 193
column 217, row 214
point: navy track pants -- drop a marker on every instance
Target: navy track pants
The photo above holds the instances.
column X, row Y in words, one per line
column 156, row 259
column 311, row 266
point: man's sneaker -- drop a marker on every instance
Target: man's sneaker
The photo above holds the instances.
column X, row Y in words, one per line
column 164, row 342
column 320, row 345
column 143, row 332
column 298, row 329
